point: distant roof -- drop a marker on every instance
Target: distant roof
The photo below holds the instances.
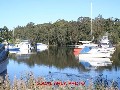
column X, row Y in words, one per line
column 85, row 41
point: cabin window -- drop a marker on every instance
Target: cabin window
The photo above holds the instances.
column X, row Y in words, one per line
column 103, row 43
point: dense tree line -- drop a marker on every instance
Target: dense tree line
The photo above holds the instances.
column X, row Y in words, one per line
column 64, row 32
column 4, row 34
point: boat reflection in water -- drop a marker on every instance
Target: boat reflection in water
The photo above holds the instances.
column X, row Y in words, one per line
column 90, row 63
column 23, row 54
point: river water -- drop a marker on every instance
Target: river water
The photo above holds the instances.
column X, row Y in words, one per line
column 59, row 64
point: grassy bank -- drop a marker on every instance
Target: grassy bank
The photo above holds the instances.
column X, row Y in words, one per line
column 29, row 82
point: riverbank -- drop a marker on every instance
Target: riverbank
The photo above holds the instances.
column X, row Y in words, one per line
column 29, row 82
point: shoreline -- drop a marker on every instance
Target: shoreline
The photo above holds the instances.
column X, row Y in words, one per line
column 39, row 83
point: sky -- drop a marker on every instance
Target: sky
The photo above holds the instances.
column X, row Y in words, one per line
column 21, row 12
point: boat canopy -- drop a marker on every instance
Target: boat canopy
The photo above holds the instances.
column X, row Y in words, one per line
column 85, row 50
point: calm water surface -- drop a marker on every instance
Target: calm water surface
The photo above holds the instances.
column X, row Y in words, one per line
column 59, row 63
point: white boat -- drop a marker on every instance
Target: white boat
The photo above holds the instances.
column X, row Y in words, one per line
column 107, row 50
column 104, row 41
column 92, row 52
column 102, row 50
column 24, row 45
column 41, row 47
column 105, row 44
column 12, row 48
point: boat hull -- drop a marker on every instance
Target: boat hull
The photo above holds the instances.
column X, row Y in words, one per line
column 77, row 51
column 3, row 65
column 94, row 55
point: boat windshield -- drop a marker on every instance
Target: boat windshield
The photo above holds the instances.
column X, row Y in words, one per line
column 104, row 44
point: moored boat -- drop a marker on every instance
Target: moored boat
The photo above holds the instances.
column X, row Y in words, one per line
column 105, row 45
column 41, row 47
column 12, row 48
column 24, row 45
column 103, row 49
column 90, row 52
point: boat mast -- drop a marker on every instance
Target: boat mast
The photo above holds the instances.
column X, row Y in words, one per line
column 13, row 33
column 91, row 18
column 13, row 36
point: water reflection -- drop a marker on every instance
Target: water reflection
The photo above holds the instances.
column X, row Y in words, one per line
column 116, row 57
column 94, row 63
column 63, row 57
column 58, row 57
column 61, row 62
